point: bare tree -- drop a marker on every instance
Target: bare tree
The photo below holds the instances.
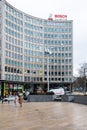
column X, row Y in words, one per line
column 82, row 76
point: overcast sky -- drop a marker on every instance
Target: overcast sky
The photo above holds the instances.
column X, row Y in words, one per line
column 75, row 10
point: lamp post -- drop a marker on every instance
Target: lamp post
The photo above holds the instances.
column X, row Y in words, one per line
column 48, row 73
column 48, row 53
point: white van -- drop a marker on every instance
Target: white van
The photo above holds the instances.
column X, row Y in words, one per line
column 57, row 93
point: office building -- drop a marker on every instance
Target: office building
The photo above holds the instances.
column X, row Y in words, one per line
column 34, row 49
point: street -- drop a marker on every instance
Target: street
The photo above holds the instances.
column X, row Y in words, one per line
column 43, row 116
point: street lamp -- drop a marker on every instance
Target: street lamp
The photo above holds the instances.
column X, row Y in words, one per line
column 48, row 53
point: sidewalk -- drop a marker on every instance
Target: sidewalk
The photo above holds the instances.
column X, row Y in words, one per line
column 43, row 116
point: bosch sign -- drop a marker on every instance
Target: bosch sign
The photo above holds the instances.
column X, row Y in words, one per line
column 60, row 16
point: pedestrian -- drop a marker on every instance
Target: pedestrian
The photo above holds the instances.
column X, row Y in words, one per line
column 20, row 100
column 16, row 99
column 2, row 99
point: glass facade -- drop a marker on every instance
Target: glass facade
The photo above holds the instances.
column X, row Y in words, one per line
column 23, row 43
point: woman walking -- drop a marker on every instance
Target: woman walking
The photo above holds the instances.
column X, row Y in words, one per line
column 20, row 100
column 16, row 99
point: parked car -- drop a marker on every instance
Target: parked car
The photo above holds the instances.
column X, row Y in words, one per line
column 57, row 93
column 9, row 98
column 68, row 93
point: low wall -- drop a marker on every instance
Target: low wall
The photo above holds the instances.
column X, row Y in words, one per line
column 40, row 98
column 65, row 98
column 80, row 99
column 75, row 98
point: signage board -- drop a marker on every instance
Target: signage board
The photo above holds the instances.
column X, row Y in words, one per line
column 60, row 16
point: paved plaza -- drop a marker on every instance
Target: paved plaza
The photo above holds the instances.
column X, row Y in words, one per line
column 43, row 116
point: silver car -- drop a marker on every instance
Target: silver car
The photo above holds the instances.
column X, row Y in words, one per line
column 9, row 98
